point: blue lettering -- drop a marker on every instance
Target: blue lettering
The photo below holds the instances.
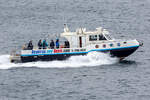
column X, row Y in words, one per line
column 33, row 52
column 43, row 51
column 49, row 51
column 38, row 51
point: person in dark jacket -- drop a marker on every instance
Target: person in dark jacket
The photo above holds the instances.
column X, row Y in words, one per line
column 52, row 44
column 30, row 45
column 67, row 45
column 44, row 44
column 57, row 43
column 40, row 44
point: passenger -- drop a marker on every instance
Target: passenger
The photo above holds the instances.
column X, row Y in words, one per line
column 57, row 43
column 26, row 46
column 44, row 44
column 23, row 47
column 52, row 44
column 30, row 45
column 40, row 44
column 67, row 45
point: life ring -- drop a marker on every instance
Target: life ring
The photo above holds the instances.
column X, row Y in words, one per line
column 96, row 46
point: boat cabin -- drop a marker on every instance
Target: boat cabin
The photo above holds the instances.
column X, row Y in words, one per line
column 81, row 38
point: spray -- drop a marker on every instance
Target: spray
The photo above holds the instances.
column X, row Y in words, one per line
column 89, row 60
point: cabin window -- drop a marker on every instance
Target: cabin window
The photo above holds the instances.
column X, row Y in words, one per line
column 96, row 46
column 92, row 37
column 124, row 42
column 111, row 45
column 104, row 45
column 101, row 37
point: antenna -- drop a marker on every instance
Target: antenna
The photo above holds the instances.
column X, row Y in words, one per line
column 64, row 21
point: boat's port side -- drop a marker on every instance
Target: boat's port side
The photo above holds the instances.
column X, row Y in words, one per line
column 115, row 48
column 62, row 54
column 120, row 53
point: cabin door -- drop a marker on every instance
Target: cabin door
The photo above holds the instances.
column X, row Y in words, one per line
column 80, row 42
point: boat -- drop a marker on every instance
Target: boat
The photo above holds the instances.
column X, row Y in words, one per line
column 81, row 42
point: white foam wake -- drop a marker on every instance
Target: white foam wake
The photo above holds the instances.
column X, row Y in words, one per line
column 91, row 59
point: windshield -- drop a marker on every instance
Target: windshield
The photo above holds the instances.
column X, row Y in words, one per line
column 101, row 37
column 108, row 37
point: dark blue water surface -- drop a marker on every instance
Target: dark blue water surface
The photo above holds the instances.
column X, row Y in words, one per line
column 24, row 20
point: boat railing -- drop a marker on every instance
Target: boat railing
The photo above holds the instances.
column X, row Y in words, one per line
column 62, row 45
column 75, row 49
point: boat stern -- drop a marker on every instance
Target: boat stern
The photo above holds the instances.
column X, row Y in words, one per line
column 14, row 57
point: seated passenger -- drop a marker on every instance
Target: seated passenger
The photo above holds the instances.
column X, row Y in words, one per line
column 44, row 44
column 25, row 46
column 30, row 45
column 40, row 44
column 52, row 44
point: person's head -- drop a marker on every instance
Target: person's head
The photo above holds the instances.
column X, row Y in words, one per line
column 51, row 40
column 44, row 40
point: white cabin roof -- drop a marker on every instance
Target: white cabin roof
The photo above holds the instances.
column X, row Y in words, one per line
column 82, row 31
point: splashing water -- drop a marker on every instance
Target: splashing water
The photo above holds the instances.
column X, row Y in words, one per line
column 91, row 59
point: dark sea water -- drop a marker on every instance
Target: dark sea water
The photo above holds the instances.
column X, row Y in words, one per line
column 91, row 77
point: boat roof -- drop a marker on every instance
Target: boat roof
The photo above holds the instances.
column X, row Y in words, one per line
column 82, row 31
